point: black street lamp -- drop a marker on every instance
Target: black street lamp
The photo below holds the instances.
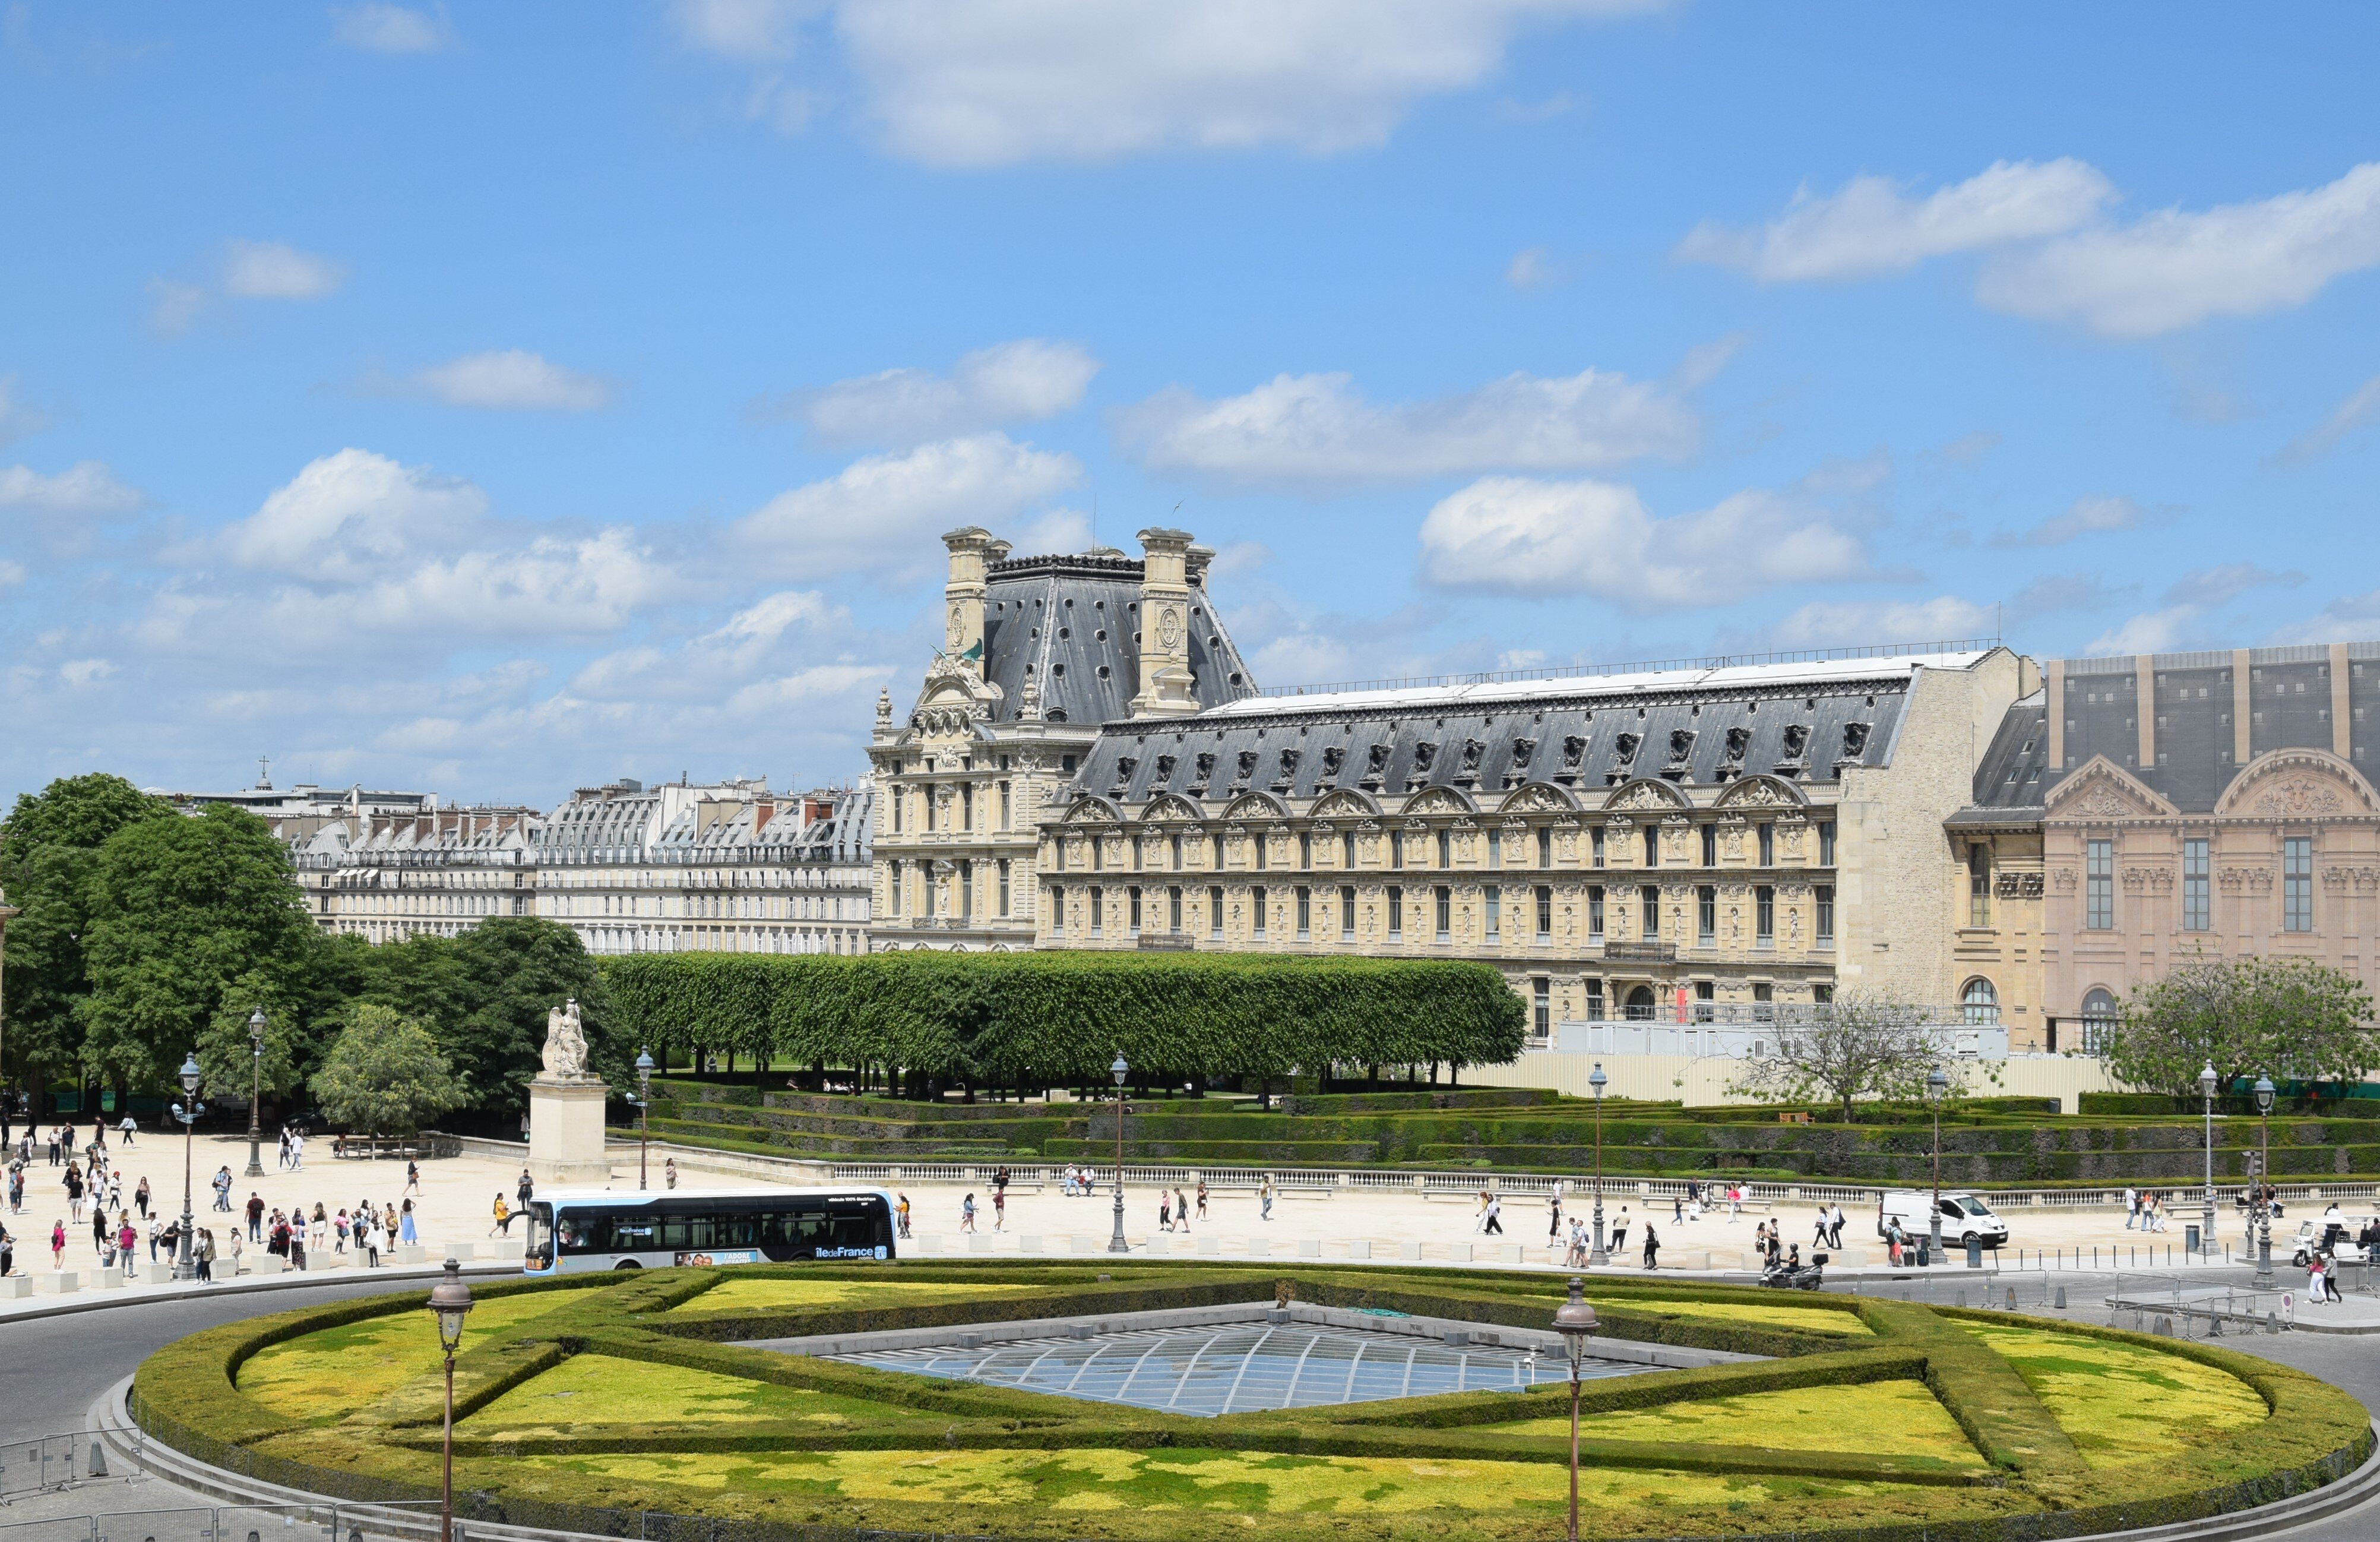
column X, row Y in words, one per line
column 1575, row 1320
column 1937, row 1084
column 644, row 1101
column 2264, row 1182
column 450, row 1300
column 255, row 1089
column 1119, row 1070
column 2206, row 1082
column 188, row 1111
column 1601, row 1256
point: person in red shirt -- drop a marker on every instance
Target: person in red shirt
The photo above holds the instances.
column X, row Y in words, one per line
column 58, row 1246
column 127, row 1239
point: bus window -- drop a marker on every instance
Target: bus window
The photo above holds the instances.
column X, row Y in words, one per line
column 537, row 1242
column 632, row 1234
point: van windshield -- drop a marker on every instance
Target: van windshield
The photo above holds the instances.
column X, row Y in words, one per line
column 1977, row 1206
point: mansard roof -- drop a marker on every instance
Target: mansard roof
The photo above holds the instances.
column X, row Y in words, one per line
column 1072, row 625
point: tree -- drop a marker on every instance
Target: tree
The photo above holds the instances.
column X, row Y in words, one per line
column 226, row 1060
column 49, row 853
column 484, row 996
column 385, row 1076
column 181, row 909
column 2294, row 1018
column 1863, row 1045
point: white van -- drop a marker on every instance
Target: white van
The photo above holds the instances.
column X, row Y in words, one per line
column 1964, row 1216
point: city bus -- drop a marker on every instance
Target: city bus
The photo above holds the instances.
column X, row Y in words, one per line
column 574, row 1231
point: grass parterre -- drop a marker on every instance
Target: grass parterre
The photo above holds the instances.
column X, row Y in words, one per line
column 581, row 1400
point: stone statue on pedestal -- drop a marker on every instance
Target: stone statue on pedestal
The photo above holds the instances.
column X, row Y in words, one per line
column 565, row 1044
column 565, row 1105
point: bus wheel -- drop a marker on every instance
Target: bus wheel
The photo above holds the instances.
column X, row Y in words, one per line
column 626, row 1264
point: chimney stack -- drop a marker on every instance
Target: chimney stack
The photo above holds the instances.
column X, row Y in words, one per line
column 972, row 551
column 1165, row 622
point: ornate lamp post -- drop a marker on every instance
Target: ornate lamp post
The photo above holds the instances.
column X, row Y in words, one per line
column 1601, row 1256
column 2264, row 1182
column 185, row 1255
column 1575, row 1320
column 450, row 1300
column 255, row 1088
column 644, row 1101
column 2206, row 1082
column 1119, row 1070
column 1937, row 1084
column 7, row 913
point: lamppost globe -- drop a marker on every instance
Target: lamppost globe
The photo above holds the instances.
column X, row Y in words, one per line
column 450, row 1300
column 1938, row 1085
column 1119, row 1070
column 189, row 1073
column 1596, row 1080
column 2264, row 1189
column 1575, row 1321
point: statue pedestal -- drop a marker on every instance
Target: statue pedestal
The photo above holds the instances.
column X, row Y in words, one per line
column 566, row 1130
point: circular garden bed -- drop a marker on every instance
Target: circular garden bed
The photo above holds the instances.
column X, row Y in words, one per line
column 584, row 1401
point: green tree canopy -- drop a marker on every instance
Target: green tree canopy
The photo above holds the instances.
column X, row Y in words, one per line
column 385, row 1076
column 484, row 996
column 180, row 910
column 2290, row 1018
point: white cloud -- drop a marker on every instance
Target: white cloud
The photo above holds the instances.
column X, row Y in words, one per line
column 380, row 29
column 1871, row 227
column 552, row 586
column 82, row 672
column 1833, row 623
column 883, row 512
column 174, row 305
column 354, row 515
column 2171, row 270
column 2185, row 604
column 1060, row 530
column 2209, row 588
column 1517, row 535
column 2358, row 409
column 2153, row 631
column 992, row 82
column 2086, row 515
column 752, row 30
column 1314, row 429
column 1240, row 559
column 2350, row 618
column 1024, row 381
column 17, row 420
column 86, row 488
column 511, row 379
column 1531, row 268
column 11, row 574
column 268, row 270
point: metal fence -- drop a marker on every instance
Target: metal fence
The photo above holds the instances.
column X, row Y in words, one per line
column 48, row 1463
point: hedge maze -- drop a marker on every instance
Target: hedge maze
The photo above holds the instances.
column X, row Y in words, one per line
column 584, row 1401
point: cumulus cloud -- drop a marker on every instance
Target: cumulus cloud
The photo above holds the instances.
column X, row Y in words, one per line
column 82, row 672
column 268, row 270
column 1517, row 535
column 350, row 517
column 11, row 574
column 1024, row 381
column 1832, row 623
column 995, row 82
column 87, row 488
column 2360, row 406
column 1533, row 268
column 883, row 512
column 381, row 29
column 508, row 380
column 1872, row 227
column 1060, row 530
column 1316, row 430
column 2184, row 606
column 2172, row 270
column 2085, row 516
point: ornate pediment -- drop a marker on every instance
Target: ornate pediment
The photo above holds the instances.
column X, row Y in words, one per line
column 2297, row 785
column 2103, row 790
column 1256, row 805
column 1345, row 803
column 954, row 698
column 1762, row 792
column 1092, row 811
column 1167, row 808
column 1440, row 800
column 1539, row 798
column 1646, row 793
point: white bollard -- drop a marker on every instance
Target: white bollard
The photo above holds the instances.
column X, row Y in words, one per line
column 1459, row 1252
column 1512, row 1252
column 1210, row 1245
column 15, row 1287
column 1030, row 1243
column 979, row 1242
column 60, row 1281
column 1309, row 1247
column 1258, row 1247
column 1409, row 1250
column 1360, row 1247
column 157, row 1274
column 927, row 1243
column 110, row 1280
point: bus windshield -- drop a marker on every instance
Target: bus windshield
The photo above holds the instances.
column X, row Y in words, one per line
column 537, row 1243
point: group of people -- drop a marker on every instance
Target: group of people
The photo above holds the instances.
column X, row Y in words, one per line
column 2144, row 1210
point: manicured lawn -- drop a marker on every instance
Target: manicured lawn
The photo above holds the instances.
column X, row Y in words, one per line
column 594, row 1389
column 1808, row 1318
column 737, row 1294
column 2122, row 1403
column 1881, row 1418
column 325, row 1375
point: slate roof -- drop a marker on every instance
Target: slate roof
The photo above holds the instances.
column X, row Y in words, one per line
column 1073, row 623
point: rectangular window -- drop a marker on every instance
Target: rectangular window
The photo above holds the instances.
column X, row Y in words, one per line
column 1595, row 1000
column 1495, row 849
column 1256, row 911
column 1173, row 910
column 1058, row 855
column 2099, row 887
column 1598, row 842
column 1826, row 843
column 1706, row 915
column 1306, row 853
column 925, row 879
column 1710, row 846
column 893, row 889
column 2197, row 909
column 966, row 805
column 1099, row 854
column 926, row 795
column 1546, row 848
column 1134, row 895
column 1648, row 900
column 1767, row 844
column 1304, row 914
column 1057, row 911
column 1979, row 885
column 1256, row 844
column 1764, row 917
column 1347, row 913
column 1004, row 820
column 1494, row 908
column 1445, row 899
column 1347, row 852
column 1098, row 915
column 1445, row 850
column 1004, row 885
column 1397, row 848
column 1138, row 852
column 1175, row 854
column 966, row 890
column 1219, row 853
column 1545, row 898
column 1396, row 914
column 1826, row 893
column 1651, row 845
column 1541, row 1006
column 2297, row 884
column 1595, row 914
column 1215, row 914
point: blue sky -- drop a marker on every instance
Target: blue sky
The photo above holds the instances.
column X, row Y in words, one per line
column 490, row 399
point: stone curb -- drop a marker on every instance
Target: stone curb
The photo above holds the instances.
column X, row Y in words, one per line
column 297, row 1280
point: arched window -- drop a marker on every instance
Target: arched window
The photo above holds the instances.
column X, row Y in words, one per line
column 1640, row 1004
column 2098, row 1018
column 1979, row 1002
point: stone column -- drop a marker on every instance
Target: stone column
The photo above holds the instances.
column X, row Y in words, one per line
column 1165, row 622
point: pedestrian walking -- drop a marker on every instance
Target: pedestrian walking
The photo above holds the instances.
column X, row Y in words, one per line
column 128, row 1127
column 1264, row 1197
column 1677, row 1210
column 1164, row 1211
column 2132, row 1208
column 1495, row 1226
column 1652, row 1247
column 1553, row 1216
column 504, row 1218
column 141, row 1197
column 281, row 1158
column 1181, row 1209
column 156, row 1229
column 412, row 1177
column 900, row 1213
column 669, row 1173
column 1202, row 1199
column 58, row 1246
column 999, row 1208
column 967, row 1213
column 255, row 1216
column 223, row 1189
column 1619, row 1231
column 128, row 1239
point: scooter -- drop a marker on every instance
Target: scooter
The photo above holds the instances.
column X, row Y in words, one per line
column 1785, row 1276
